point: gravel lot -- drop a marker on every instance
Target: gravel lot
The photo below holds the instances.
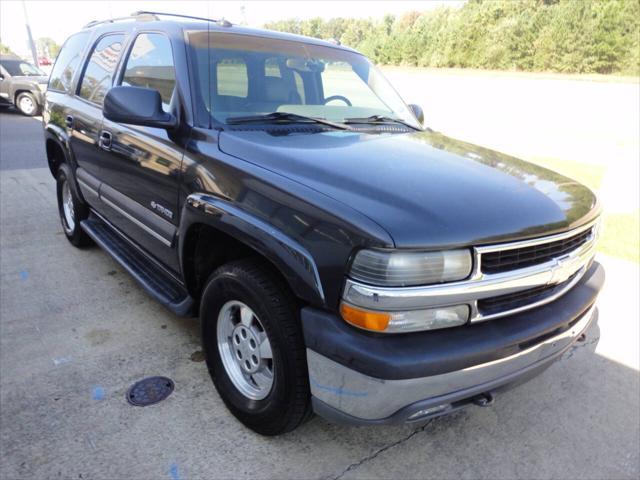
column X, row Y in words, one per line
column 76, row 331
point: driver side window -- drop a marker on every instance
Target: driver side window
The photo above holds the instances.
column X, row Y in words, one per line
column 150, row 65
column 339, row 80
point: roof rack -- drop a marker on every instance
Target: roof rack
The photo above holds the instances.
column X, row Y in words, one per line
column 155, row 16
column 222, row 21
column 117, row 19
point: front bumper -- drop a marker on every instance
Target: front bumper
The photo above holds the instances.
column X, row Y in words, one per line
column 362, row 378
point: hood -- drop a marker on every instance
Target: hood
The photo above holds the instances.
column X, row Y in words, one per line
column 425, row 189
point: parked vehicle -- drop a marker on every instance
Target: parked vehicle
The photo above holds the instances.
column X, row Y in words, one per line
column 46, row 61
column 22, row 85
column 343, row 259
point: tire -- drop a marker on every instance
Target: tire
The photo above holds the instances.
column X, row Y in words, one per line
column 71, row 209
column 27, row 104
column 250, row 283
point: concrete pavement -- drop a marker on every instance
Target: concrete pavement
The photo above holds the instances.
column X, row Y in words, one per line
column 76, row 331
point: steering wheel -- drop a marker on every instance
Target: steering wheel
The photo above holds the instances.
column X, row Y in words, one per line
column 337, row 97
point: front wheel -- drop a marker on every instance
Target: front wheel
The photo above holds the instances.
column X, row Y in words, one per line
column 254, row 347
column 27, row 104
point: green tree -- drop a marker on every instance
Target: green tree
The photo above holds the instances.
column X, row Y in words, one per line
column 48, row 47
column 545, row 35
column 4, row 48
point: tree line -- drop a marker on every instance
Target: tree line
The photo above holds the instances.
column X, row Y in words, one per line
column 571, row 36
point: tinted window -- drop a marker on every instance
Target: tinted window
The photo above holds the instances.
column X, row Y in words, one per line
column 232, row 77
column 96, row 80
column 17, row 68
column 67, row 62
column 272, row 68
column 150, row 65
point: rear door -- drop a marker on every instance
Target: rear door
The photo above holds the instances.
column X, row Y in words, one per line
column 61, row 104
column 85, row 115
column 141, row 165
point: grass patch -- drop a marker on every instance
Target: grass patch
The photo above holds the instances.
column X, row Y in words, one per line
column 586, row 173
column 621, row 231
column 621, row 235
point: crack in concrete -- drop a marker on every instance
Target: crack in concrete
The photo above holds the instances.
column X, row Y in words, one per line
column 370, row 457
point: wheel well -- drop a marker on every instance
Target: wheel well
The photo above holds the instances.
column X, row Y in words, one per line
column 206, row 248
column 18, row 92
column 55, row 156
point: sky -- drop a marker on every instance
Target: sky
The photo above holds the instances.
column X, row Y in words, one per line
column 59, row 19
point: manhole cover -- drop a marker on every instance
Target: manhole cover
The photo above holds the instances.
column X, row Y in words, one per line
column 149, row 391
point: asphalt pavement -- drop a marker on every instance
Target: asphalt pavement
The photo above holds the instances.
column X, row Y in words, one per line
column 76, row 331
column 22, row 141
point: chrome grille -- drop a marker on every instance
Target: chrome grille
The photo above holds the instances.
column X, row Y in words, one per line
column 546, row 269
column 511, row 301
column 512, row 259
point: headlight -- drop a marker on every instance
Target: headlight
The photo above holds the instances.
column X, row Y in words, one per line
column 393, row 268
column 389, row 268
column 42, row 87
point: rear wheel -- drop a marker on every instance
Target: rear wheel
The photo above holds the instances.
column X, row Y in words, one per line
column 71, row 209
column 27, row 104
column 254, row 347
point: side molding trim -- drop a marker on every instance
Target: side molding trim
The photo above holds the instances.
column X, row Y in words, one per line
column 137, row 222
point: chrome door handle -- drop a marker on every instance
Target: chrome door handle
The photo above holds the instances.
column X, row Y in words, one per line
column 104, row 141
column 69, row 121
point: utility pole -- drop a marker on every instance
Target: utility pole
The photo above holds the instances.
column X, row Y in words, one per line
column 243, row 14
column 32, row 46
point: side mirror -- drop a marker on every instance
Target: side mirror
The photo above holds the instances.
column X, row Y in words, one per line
column 417, row 111
column 1, row 76
column 137, row 106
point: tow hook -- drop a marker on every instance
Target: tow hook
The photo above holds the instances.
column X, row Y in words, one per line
column 483, row 400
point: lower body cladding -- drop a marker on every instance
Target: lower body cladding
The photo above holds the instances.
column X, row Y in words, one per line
column 364, row 379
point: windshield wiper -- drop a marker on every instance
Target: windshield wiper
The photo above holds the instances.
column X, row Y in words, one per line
column 284, row 117
column 379, row 119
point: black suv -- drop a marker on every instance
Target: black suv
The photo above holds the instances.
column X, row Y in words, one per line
column 343, row 259
column 21, row 85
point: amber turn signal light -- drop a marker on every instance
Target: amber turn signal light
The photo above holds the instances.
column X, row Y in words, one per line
column 376, row 321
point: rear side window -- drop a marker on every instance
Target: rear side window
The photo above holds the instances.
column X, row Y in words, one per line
column 232, row 76
column 272, row 68
column 150, row 65
column 96, row 80
column 67, row 62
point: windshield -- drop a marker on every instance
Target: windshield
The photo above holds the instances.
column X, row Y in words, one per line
column 18, row 68
column 242, row 75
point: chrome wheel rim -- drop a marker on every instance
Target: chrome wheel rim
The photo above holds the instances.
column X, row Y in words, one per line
column 69, row 222
column 26, row 105
column 245, row 350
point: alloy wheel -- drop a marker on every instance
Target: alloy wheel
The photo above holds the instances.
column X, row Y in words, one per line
column 245, row 350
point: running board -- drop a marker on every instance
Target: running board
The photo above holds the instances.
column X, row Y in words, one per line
column 152, row 277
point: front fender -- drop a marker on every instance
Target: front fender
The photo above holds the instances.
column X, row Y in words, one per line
column 291, row 258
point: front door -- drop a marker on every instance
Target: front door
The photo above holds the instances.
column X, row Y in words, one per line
column 4, row 87
column 141, row 169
